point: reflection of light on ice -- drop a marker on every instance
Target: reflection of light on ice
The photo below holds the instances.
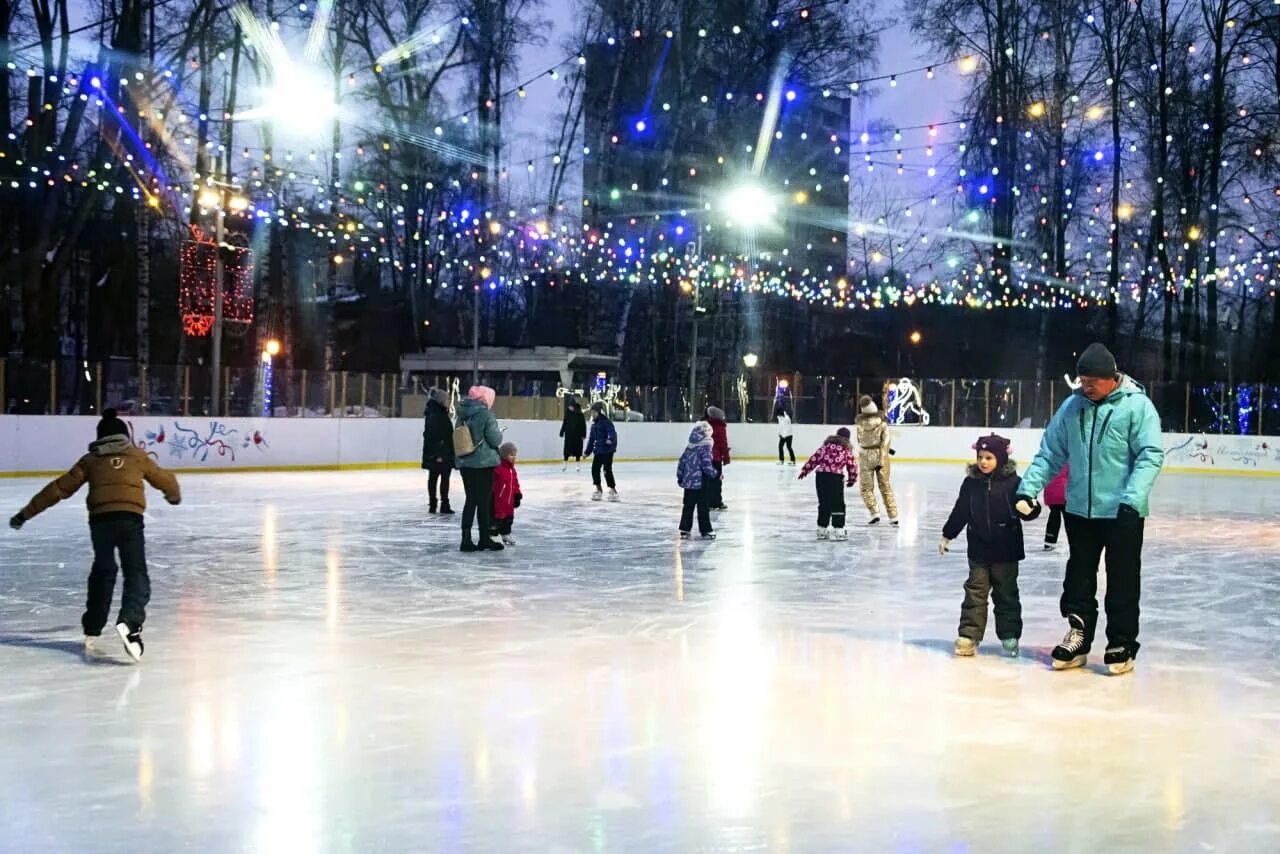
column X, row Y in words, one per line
column 737, row 710
column 481, row 764
column 269, row 544
column 200, row 739
column 529, row 788
column 146, row 777
column 332, row 585
column 289, row 773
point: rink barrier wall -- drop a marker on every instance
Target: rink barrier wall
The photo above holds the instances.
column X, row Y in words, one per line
column 44, row 445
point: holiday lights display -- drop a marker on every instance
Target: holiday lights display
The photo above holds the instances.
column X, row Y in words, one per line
column 196, row 280
column 365, row 215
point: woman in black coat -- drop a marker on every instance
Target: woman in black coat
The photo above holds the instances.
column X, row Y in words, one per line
column 574, row 431
column 437, row 449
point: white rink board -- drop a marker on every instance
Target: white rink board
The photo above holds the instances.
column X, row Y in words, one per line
column 31, row 444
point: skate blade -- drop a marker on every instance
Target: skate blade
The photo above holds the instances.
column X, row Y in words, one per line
column 1121, row 668
column 1078, row 661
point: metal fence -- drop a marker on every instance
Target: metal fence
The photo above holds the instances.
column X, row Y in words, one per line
column 70, row 387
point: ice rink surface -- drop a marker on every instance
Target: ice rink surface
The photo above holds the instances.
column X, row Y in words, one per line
column 325, row 672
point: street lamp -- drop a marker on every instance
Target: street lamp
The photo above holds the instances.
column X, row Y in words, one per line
column 222, row 197
column 750, row 360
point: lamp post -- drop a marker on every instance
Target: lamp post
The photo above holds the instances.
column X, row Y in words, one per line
column 218, row 195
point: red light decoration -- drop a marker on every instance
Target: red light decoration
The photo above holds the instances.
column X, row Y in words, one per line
column 196, row 281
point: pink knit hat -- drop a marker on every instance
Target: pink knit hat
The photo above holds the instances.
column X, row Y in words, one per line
column 484, row 394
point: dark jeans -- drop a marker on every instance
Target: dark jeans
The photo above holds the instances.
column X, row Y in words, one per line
column 696, row 499
column 715, row 488
column 1122, row 541
column 785, row 442
column 438, row 479
column 830, row 499
column 603, row 462
column 112, row 532
column 1000, row 582
column 1054, row 525
column 478, row 484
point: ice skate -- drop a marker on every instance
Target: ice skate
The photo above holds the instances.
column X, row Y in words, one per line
column 92, row 651
column 1072, row 652
column 490, row 546
column 468, row 546
column 598, row 495
column 132, row 640
column 780, row 463
column 840, row 535
column 893, row 522
column 445, row 509
column 1048, row 547
column 792, row 463
column 966, row 647
column 684, row 535
column 875, row 520
column 1010, row 647
column 613, row 495
column 1118, row 660
column 579, row 468
column 823, row 534
column 709, row 537
column 565, row 467
column 432, row 508
column 508, row 540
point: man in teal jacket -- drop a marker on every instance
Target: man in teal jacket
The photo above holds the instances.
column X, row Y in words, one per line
column 1109, row 431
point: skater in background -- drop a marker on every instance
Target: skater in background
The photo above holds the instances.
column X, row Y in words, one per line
column 1055, row 498
column 874, row 450
column 784, row 435
column 695, row 474
column 506, row 493
column 573, row 429
column 476, row 415
column 985, row 507
column 832, row 461
column 719, row 454
column 601, row 446
column 437, row 450
column 115, row 471
column 1109, row 431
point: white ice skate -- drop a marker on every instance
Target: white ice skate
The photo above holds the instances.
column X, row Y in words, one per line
column 508, row 540
column 823, row 534
column 565, row 467
column 613, row 495
column 840, row 535
column 875, row 520
column 597, row 496
column 893, row 522
column 92, row 652
column 132, row 641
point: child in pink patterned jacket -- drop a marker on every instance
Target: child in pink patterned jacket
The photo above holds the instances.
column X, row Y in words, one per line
column 832, row 461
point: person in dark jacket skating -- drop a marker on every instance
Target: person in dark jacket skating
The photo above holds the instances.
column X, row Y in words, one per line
column 437, row 450
column 573, row 429
column 601, row 446
column 986, row 507
column 695, row 473
column 719, row 454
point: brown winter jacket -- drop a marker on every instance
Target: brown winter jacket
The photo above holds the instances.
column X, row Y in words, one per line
column 115, row 470
column 873, row 441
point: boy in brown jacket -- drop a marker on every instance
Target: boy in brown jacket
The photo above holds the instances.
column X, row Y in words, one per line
column 115, row 471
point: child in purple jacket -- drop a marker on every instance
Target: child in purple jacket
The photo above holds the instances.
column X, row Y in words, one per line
column 697, row 476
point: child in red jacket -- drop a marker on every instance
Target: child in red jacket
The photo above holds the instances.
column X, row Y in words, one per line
column 1055, row 496
column 506, row 493
column 719, row 455
column 832, row 461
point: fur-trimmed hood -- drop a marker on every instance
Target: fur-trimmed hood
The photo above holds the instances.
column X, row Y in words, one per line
column 838, row 440
column 1009, row 469
column 866, row 418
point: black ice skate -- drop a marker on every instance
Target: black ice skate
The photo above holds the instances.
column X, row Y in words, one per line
column 445, row 509
column 684, row 535
column 1118, row 660
column 1073, row 651
column 709, row 537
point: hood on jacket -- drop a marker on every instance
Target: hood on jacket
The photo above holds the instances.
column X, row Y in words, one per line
column 438, row 396
column 110, row 446
column 700, row 434
column 837, row 439
column 469, row 407
column 1009, row 469
column 716, row 413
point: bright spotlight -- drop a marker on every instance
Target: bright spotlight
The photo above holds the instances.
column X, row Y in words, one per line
column 273, row 347
column 300, row 97
column 749, row 205
column 751, row 360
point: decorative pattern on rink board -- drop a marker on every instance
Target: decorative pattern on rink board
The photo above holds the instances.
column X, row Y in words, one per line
column 193, row 445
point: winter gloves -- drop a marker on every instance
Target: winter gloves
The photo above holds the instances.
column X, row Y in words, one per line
column 17, row 522
column 1026, row 506
column 944, row 546
column 519, row 498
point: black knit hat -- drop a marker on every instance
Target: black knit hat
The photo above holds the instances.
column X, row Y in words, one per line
column 997, row 446
column 111, row 425
column 1096, row 361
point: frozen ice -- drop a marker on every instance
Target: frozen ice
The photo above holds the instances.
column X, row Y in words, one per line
column 325, row 672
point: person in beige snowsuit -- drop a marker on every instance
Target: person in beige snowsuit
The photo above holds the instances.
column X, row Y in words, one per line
column 874, row 451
